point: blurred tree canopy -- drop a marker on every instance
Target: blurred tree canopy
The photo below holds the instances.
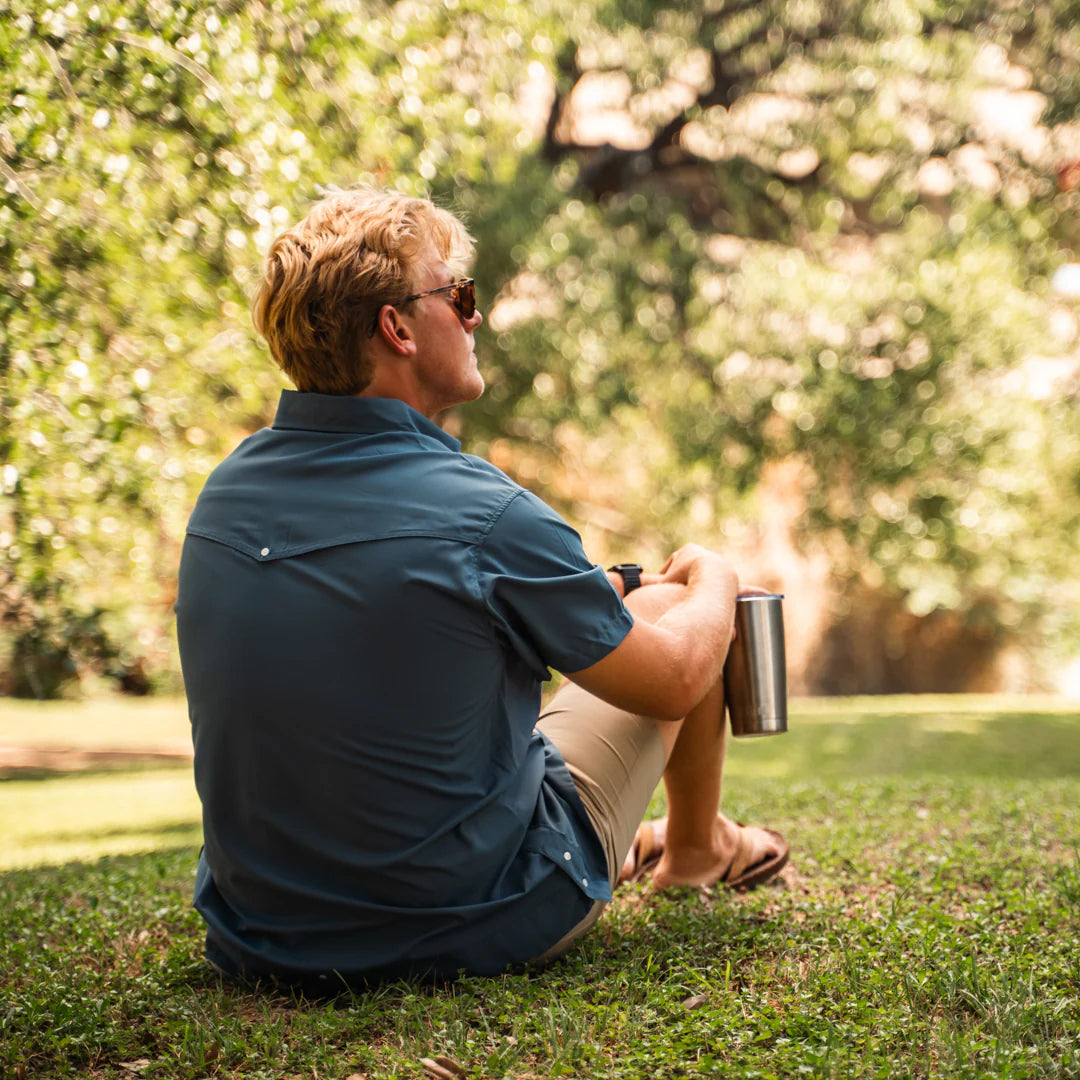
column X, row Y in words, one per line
column 712, row 237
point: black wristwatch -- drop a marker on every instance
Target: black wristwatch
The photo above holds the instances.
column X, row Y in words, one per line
column 630, row 572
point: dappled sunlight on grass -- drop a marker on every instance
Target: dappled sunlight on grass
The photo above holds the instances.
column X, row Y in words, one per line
column 112, row 720
column 84, row 817
column 904, row 737
column 964, row 724
column 987, row 704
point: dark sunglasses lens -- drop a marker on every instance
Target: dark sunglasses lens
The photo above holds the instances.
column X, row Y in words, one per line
column 465, row 299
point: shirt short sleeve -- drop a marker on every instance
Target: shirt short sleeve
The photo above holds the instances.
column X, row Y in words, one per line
column 550, row 604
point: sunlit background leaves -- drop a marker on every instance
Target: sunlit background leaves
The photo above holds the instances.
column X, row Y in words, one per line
column 777, row 276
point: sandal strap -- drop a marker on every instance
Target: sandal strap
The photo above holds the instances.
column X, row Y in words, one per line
column 740, row 860
column 646, row 842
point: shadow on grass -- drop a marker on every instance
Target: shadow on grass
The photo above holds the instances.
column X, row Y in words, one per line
column 133, row 831
column 103, row 766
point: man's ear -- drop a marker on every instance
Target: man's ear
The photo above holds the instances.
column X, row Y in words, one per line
column 394, row 331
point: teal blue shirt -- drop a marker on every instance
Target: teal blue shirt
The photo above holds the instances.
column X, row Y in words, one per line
column 365, row 617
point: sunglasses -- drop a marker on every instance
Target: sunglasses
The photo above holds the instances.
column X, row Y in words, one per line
column 462, row 296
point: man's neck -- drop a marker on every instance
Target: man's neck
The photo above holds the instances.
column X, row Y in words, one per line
column 397, row 385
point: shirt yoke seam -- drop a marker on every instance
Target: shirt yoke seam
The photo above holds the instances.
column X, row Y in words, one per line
column 336, row 541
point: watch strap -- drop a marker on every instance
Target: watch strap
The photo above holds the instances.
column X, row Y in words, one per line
column 630, row 574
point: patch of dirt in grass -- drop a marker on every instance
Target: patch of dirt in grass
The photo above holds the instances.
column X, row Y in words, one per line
column 18, row 761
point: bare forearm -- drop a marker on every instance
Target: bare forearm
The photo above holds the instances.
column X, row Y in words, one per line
column 701, row 624
column 675, row 651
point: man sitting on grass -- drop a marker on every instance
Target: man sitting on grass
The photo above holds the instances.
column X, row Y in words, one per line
column 366, row 616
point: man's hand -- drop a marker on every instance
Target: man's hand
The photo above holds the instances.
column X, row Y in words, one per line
column 664, row 668
column 692, row 562
column 755, row 590
column 684, row 567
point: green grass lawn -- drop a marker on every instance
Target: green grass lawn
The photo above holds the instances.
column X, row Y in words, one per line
column 84, row 816
column 113, row 810
column 929, row 926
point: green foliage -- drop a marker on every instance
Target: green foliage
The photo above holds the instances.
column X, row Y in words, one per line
column 151, row 152
column 773, row 275
column 764, row 270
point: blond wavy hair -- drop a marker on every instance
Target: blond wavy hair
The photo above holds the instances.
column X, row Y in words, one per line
column 327, row 278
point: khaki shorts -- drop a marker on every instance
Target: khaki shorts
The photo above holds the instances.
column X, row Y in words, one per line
column 616, row 760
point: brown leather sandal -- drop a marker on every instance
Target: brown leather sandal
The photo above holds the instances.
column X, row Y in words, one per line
column 739, row 875
column 646, row 851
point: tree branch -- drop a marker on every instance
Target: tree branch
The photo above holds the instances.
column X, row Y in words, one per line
column 610, row 168
column 12, row 178
column 731, row 9
column 570, row 73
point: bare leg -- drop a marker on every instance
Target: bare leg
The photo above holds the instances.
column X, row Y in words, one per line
column 699, row 844
column 695, row 844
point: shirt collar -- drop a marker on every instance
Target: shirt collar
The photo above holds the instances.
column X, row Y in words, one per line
column 361, row 416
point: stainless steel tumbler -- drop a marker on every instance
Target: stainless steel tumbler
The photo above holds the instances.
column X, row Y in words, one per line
column 755, row 673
